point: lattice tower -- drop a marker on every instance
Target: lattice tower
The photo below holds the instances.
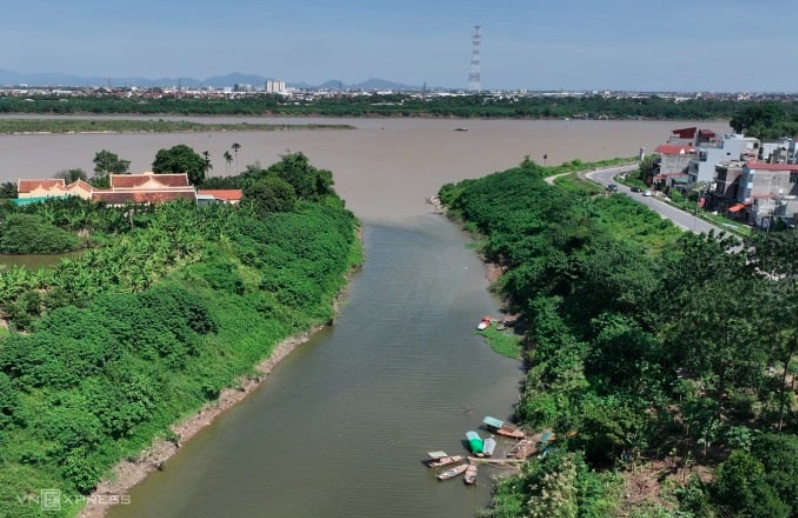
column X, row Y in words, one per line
column 474, row 79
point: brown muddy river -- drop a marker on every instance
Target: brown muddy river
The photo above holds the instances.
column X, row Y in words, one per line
column 341, row 427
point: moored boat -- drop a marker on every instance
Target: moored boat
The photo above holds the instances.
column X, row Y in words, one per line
column 476, row 443
column 484, row 324
column 501, row 428
column 471, row 474
column 453, row 472
column 490, row 446
column 444, row 461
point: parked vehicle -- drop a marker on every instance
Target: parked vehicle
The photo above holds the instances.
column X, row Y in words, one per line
column 636, row 189
column 612, row 188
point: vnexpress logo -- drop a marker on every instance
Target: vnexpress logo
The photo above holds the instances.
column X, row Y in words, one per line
column 50, row 499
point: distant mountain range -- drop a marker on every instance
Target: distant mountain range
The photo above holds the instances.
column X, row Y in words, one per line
column 10, row 78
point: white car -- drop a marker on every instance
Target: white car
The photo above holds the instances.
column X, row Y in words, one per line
column 647, row 193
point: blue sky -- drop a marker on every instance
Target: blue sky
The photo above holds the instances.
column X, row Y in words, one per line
column 730, row 45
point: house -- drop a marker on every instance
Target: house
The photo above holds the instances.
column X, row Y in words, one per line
column 232, row 196
column 732, row 147
column 52, row 188
column 767, row 191
column 670, row 166
column 146, row 187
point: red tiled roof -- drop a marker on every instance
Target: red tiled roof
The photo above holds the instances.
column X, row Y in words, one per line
column 223, row 194
column 685, row 132
column 131, row 181
column 674, row 149
column 764, row 166
column 31, row 185
column 152, row 197
column 80, row 184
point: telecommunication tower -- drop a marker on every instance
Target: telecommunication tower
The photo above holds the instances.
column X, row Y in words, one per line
column 474, row 80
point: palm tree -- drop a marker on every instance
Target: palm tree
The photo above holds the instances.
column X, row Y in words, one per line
column 236, row 146
column 229, row 159
column 207, row 156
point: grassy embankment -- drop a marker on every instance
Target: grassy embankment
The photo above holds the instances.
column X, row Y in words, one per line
column 669, row 392
column 16, row 126
column 126, row 340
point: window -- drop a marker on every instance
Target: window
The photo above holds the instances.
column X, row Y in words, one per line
column 794, row 177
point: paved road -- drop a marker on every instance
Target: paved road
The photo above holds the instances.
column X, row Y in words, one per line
column 679, row 217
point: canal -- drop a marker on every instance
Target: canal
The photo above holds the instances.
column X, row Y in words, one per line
column 341, row 426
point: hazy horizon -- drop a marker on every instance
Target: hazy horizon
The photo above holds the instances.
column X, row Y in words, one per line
column 530, row 44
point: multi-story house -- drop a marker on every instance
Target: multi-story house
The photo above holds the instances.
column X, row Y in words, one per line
column 767, row 192
column 728, row 148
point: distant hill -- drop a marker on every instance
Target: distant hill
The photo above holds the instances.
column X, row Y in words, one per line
column 11, row 78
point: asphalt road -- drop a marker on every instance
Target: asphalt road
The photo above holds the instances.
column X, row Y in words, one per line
column 679, row 217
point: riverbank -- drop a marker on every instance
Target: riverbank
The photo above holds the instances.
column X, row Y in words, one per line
column 128, row 473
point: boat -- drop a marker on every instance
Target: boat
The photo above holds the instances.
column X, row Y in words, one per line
column 476, row 443
column 439, row 462
column 490, row 446
column 471, row 474
column 453, row 472
column 461, row 129
column 484, row 324
column 504, row 429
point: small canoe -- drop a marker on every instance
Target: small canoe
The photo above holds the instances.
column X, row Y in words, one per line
column 490, row 446
column 453, row 472
column 444, row 461
column 476, row 443
column 471, row 474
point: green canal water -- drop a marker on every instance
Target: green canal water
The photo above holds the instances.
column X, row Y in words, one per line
column 341, row 426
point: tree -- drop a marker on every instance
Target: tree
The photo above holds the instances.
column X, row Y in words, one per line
column 181, row 159
column 228, row 158
column 271, row 195
column 106, row 162
column 236, row 146
column 8, row 190
column 206, row 155
column 71, row 175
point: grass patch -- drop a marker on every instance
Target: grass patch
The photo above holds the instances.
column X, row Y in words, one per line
column 504, row 342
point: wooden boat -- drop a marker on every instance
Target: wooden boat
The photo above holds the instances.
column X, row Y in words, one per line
column 504, row 429
column 471, row 474
column 490, row 446
column 476, row 443
column 453, row 472
column 444, row 461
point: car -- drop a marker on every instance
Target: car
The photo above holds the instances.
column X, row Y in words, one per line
column 636, row 189
column 612, row 188
column 647, row 193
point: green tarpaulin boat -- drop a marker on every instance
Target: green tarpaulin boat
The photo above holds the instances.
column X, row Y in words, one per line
column 476, row 443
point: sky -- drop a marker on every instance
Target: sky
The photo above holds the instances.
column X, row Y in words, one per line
column 643, row 45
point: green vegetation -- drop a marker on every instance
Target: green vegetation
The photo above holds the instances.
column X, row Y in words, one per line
column 504, row 341
column 142, row 126
column 399, row 105
column 129, row 338
column 646, row 347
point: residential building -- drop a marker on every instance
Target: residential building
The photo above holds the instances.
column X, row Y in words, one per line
column 767, row 191
column 52, row 188
column 728, row 148
column 670, row 165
